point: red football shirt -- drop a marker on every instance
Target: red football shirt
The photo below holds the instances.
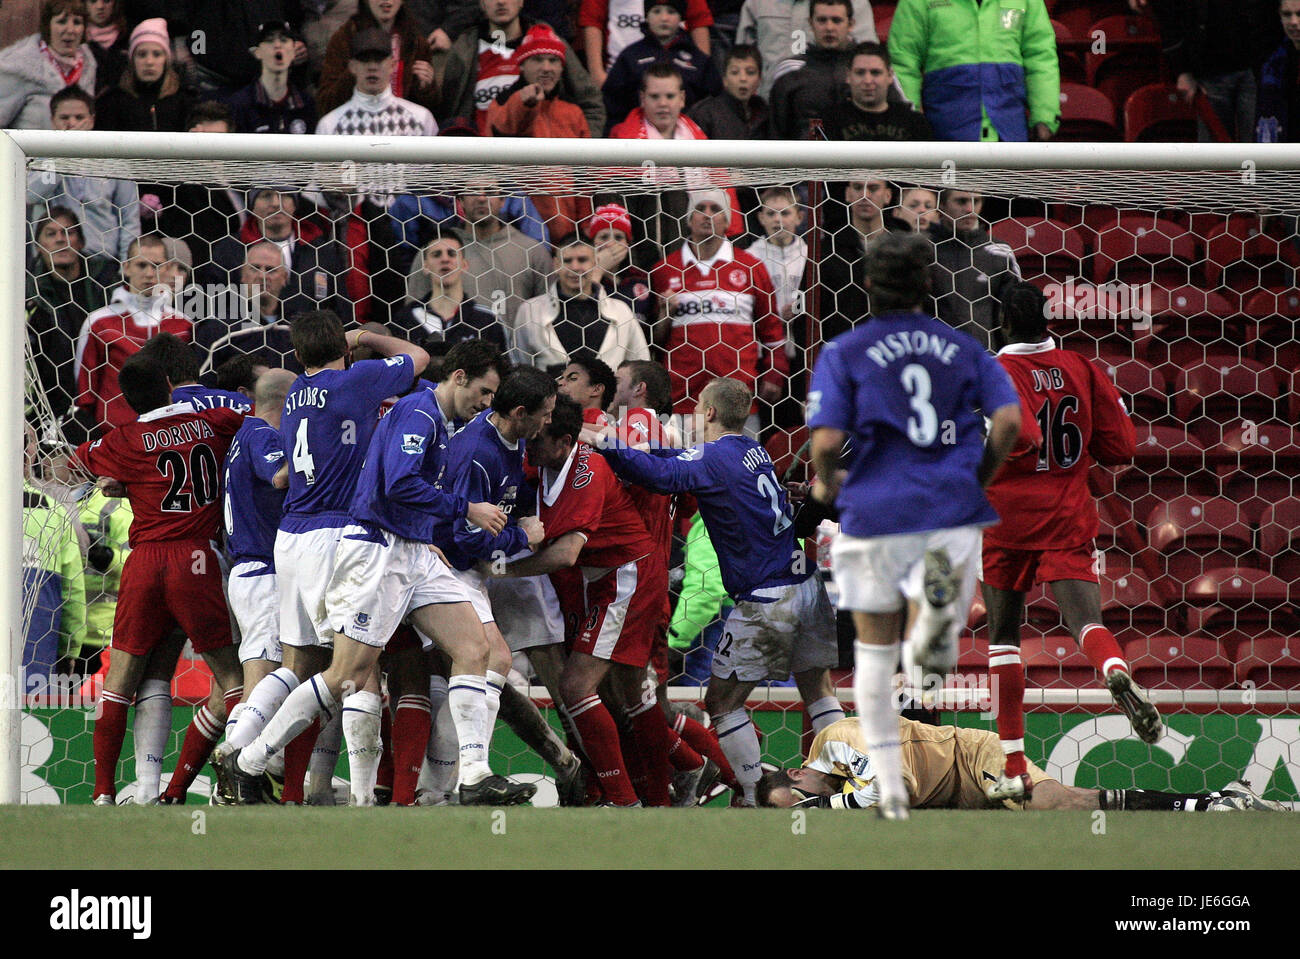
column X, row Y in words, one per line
column 586, row 497
column 1042, row 493
column 721, row 310
column 170, row 460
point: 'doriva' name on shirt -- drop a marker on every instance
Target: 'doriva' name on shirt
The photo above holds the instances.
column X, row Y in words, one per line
column 893, row 346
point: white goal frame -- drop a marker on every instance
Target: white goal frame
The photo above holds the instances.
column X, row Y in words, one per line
column 941, row 164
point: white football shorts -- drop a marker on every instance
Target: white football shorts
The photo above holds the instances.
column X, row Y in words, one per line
column 879, row 574
column 792, row 633
column 527, row 611
column 304, row 563
column 379, row 579
column 255, row 604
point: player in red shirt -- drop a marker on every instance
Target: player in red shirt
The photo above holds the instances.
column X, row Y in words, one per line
column 170, row 463
column 717, row 310
column 1049, row 521
column 592, row 524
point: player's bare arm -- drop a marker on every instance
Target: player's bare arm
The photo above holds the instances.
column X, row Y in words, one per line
column 281, row 478
column 388, row 346
column 1004, row 430
column 826, row 446
column 561, row 554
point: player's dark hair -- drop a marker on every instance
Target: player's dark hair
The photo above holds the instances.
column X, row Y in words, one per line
column 143, row 383
column 898, row 267
column 743, row 51
column 237, row 372
column 768, row 783
column 318, row 338
column 662, row 71
column 1023, row 311
column 869, row 49
column 733, row 401
column 846, row 4
column 566, row 420
column 527, row 386
column 73, row 92
column 599, row 373
column 658, row 387
column 178, row 360
column 211, row 111
column 475, row 357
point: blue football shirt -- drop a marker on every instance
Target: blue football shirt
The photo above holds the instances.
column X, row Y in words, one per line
column 481, row 467
column 252, row 505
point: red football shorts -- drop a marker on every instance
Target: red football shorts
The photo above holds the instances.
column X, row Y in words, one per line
column 165, row 585
column 659, row 651
column 1020, row 570
column 623, row 611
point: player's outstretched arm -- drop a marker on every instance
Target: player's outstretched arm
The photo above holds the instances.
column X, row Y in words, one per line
column 672, row 471
column 827, row 444
column 1004, row 430
column 389, row 346
column 561, row 554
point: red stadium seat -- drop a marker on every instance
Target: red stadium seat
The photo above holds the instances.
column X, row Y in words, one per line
column 1250, row 262
column 1133, row 607
column 1235, row 629
column 1087, row 115
column 1043, row 248
column 1188, row 325
column 1276, row 314
column 1056, row 662
column 1238, row 587
column 1142, row 386
column 1197, row 534
column 1271, row 662
column 1069, row 61
column 784, row 447
column 1079, row 15
column 1257, row 464
column 1178, row 662
column 1225, row 392
column 1168, row 463
column 1279, row 539
column 1129, row 56
column 1156, row 112
column 1145, row 248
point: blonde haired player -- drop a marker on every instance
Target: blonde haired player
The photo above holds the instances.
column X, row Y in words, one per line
column 946, row 767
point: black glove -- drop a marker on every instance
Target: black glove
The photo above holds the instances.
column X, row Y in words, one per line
column 100, row 557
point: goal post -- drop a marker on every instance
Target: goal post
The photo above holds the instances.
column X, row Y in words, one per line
column 1214, row 179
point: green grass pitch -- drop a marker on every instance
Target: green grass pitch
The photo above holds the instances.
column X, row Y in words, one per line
column 208, row 837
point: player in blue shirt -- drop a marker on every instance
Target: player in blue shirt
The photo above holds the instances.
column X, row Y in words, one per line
column 782, row 621
column 329, row 415
column 253, row 501
column 912, row 394
column 181, row 364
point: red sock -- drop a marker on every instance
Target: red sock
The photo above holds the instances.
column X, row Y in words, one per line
column 1007, row 674
column 297, row 757
column 384, row 774
column 231, row 698
column 636, row 768
column 600, row 741
column 201, row 736
column 652, row 738
column 410, row 734
column 110, row 730
column 704, row 742
column 680, row 753
column 1102, row 650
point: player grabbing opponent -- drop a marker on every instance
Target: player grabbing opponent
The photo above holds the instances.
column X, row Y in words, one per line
column 170, row 462
column 782, row 621
column 912, row 394
column 1049, row 521
column 945, row 767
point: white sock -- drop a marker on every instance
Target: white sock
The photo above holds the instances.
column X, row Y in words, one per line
column 324, row 759
column 495, row 683
column 300, row 707
column 443, row 752
column 823, row 712
column 873, row 675
column 739, row 742
column 151, row 727
column 467, row 700
column 262, row 703
column 361, row 718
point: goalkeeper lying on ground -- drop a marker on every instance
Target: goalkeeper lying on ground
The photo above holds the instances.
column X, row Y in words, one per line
column 945, row 767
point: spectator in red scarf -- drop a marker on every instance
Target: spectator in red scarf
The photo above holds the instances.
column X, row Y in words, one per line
column 37, row 67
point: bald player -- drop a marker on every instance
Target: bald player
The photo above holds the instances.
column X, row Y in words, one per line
column 946, row 767
column 254, row 502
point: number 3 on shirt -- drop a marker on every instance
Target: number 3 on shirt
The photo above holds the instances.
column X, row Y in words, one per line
column 924, row 427
column 302, row 459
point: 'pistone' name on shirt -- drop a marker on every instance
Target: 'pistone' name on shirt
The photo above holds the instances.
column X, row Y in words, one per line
column 176, row 435
column 309, row 396
column 895, row 346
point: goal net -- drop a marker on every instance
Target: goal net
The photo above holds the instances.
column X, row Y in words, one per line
column 1175, row 272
